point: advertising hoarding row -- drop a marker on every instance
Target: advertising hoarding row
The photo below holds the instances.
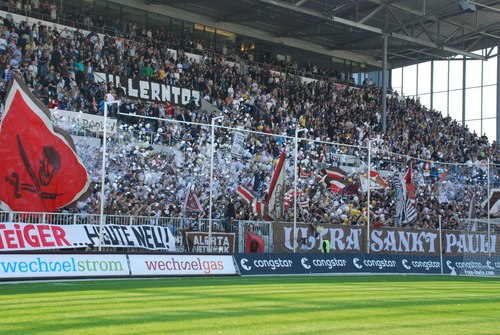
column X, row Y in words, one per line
column 93, row 265
column 44, row 266
column 295, row 264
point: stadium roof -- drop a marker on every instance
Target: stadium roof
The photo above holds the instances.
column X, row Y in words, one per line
column 417, row 30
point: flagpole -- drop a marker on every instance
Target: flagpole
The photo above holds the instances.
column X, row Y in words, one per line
column 440, row 244
column 103, row 171
column 295, row 168
column 488, row 197
column 369, row 189
column 212, row 147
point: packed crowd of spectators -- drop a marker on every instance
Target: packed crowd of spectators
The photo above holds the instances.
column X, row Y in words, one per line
column 59, row 65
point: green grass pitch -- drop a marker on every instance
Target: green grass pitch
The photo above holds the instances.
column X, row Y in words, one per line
column 254, row 305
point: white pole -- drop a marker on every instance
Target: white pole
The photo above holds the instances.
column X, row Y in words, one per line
column 295, row 149
column 488, row 199
column 368, row 205
column 440, row 245
column 295, row 168
column 212, row 147
column 103, row 171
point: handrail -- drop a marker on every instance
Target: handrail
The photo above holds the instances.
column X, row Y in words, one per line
column 87, row 218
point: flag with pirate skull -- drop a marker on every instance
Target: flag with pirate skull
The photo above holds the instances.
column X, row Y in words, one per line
column 39, row 169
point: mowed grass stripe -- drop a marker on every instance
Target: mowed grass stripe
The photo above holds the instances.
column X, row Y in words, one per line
column 263, row 305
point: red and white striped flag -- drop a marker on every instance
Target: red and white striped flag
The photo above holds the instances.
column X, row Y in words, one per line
column 289, row 197
column 375, row 176
column 328, row 174
column 258, row 207
column 336, row 186
column 304, row 203
column 335, row 173
column 246, row 195
column 305, row 174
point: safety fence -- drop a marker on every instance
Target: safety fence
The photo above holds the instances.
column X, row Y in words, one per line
column 65, row 231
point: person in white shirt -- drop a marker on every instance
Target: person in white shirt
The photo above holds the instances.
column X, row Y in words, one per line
column 3, row 44
column 33, row 69
column 53, row 11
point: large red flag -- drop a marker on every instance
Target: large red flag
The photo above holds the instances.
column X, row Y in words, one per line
column 254, row 243
column 39, row 168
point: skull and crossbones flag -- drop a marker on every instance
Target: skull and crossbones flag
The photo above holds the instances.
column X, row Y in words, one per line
column 39, row 169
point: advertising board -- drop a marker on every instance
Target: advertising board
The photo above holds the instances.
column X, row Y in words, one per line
column 181, row 265
column 37, row 266
column 290, row 264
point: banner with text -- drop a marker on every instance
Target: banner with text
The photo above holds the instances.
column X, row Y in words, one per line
column 91, row 122
column 219, row 243
column 149, row 90
column 239, row 144
column 24, row 236
column 181, row 265
column 62, row 265
column 303, row 263
column 260, row 264
column 487, row 266
column 352, row 239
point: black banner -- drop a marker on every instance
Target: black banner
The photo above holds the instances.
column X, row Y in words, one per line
column 353, row 239
column 149, row 90
column 471, row 267
column 311, row 263
column 220, row 243
column 259, row 264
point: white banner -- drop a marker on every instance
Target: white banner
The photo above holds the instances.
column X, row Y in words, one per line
column 24, row 236
column 61, row 265
column 181, row 265
column 238, row 147
column 90, row 122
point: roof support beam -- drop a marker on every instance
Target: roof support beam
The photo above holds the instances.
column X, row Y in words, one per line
column 451, row 35
column 429, row 16
column 398, row 21
column 413, row 59
column 434, row 46
column 398, row 6
column 471, row 45
column 370, row 15
column 372, row 29
column 427, row 32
